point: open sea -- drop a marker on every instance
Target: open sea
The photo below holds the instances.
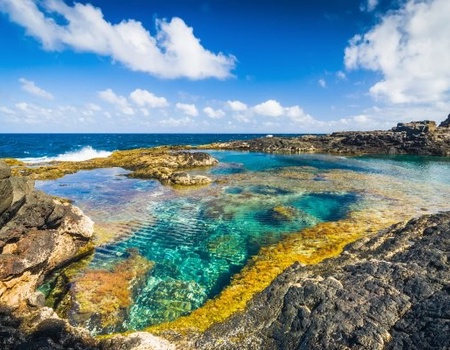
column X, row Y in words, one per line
column 261, row 213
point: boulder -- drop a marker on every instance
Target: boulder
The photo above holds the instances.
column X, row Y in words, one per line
column 445, row 123
column 184, row 179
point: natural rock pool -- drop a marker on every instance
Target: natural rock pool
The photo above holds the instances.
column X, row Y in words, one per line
column 164, row 252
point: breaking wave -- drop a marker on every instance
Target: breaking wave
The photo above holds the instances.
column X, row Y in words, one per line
column 84, row 153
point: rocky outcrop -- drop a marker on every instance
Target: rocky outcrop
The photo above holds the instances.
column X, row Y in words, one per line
column 389, row 291
column 445, row 123
column 184, row 179
column 37, row 234
column 421, row 138
column 159, row 163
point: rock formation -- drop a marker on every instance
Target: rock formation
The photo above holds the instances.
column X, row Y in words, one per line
column 37, row 235
column 445, row 123
column 160, row 163
column 420, row 138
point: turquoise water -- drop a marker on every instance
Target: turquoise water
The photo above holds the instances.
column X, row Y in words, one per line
column 199, row 238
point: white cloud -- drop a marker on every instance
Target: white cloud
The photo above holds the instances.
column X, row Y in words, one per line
column 409, row 47
column 120, row 102
column 30, row 87
column 6, row 110
column 173, row 52
column 322, row 83
column 270, row 108
column 369, row 5
column 144, row 98
column 341, row 75
column 214, row 113
column 172, row 122
column 296, row 113
column 237, row 106
column 188, row 109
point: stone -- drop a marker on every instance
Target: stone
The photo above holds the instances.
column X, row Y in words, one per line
column 5, row 170
column 6, row 195
column 416, row 127
column 184, row 179
column 445, row 123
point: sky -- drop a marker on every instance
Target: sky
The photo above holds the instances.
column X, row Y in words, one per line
column 222, row 66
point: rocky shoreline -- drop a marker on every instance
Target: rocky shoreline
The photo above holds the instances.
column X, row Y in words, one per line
column 387, row 291
column 418, row 138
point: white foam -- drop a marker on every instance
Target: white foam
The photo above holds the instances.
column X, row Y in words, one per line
column 85, row 153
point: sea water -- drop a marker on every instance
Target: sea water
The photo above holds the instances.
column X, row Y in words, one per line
column 199, row 238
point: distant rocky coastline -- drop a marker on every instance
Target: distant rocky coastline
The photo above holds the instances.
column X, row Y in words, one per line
column 387, row 291
column 418, row 138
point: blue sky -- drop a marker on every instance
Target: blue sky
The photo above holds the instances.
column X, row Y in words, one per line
column 285, row 66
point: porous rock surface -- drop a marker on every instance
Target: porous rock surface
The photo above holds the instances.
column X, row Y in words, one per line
column 388, row 291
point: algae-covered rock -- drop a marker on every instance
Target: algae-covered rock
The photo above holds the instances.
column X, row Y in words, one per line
column 152, row 163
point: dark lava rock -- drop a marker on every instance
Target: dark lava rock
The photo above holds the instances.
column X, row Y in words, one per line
column 422, row 138
column 390, row 291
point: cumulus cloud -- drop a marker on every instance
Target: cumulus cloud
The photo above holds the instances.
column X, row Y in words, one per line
column 30, row 87
column 409, row 48
column 173, row 52
column 144, row 98
column 322, row 83
column 120, row 102
column 213, row 113
column 369, row 5
column 237, row 106
column 275, row 110
column 188, row 109
column 270, row 108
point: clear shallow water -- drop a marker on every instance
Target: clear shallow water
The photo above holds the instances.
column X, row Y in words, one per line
column 198, row 238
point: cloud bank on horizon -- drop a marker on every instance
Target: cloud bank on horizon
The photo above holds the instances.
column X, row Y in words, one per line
column 392, row 70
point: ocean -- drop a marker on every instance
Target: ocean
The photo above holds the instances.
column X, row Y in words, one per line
column 211, row 248
column 32, row 147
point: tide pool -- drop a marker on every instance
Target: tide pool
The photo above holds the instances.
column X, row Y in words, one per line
column 199, row 239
